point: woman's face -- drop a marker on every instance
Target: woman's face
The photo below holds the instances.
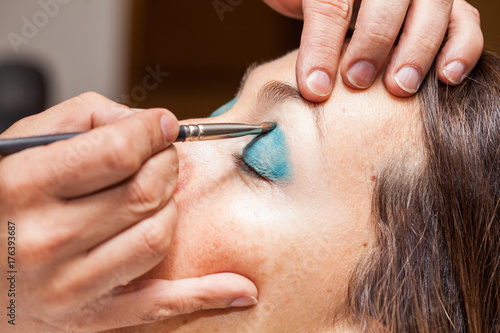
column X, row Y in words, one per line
column 297, row 234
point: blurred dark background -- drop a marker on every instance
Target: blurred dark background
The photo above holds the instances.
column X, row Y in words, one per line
column 23, row 90
column 188, row 57
column 205, row 51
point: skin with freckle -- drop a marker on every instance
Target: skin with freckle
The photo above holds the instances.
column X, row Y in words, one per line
column 268, row 155
column 298, row 239
column 223, row 109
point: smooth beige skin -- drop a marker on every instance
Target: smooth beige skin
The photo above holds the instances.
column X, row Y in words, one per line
column 296, row 241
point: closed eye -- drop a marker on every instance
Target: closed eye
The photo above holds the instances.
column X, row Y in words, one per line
column 245, row 168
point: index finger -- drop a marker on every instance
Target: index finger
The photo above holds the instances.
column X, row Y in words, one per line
column 98, row 159
column 81, row 113
column 325, row 27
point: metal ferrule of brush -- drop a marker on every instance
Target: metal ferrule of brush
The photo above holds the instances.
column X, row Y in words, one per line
column 218, row 131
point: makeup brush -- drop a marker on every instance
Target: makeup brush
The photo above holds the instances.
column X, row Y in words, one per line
column 198, row 132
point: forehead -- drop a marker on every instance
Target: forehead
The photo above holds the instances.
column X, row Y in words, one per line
column 363, row 126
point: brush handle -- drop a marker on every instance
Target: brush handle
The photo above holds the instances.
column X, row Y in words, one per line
column 11, row 146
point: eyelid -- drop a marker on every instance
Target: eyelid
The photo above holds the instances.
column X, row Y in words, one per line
column 245, row 168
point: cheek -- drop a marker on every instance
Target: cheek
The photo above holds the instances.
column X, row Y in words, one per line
column 211, row 239
column 214, row 247
column 298, row 262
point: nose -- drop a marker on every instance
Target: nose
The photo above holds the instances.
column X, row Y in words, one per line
column 203, row 165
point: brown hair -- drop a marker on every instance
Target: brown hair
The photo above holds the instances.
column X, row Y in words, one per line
column 436, row 264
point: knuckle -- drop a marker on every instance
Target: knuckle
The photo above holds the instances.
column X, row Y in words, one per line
column 146, row 195
column 379, row 35
column 171, row 168
column 443, row 6
column 473, row 12
column 325, row 51
column 91, row 97
column 58, row 297
column 337, row 9
column 322, row 46
column 19, row 126
column 42, row 249
column 19, row 187
column 173, row 158
column 120, row 154
column 428, row 42
column 56, row 294
column 158, row 312
column 180, row 304
column 154, row 239
column 152, row 187
column 447, row 4
column 11, row 187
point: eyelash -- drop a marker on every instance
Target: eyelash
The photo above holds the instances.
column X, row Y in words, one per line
column 245, row 168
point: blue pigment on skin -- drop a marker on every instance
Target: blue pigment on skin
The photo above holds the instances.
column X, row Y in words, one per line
column 223, row 109
column 268, row 155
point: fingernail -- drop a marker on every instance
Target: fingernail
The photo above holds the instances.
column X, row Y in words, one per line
column 454, row 71
column 168, row 126
column 244, row 301
column 408, row 79
column 320, row 83
column 361, row 74
column 137, row 110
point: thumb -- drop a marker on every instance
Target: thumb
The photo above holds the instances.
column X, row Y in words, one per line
column 325, row 26
column 148, row 301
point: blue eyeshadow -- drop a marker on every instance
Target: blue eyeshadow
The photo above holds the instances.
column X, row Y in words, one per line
column 223, row 109
column 268, row 155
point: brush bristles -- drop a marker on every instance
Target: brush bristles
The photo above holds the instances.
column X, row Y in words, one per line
column 267, row 127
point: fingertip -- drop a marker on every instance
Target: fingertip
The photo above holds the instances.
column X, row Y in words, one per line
column 453, row 72
column 244, row 301
column 360, row 75
column 234, row 284
column 320, row 83
column 170, row 126
column 393, row 87
column 408, row 79
column 318, row 86
column 168, row 123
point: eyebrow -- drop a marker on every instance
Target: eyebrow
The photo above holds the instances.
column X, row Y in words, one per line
column 278, row 92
